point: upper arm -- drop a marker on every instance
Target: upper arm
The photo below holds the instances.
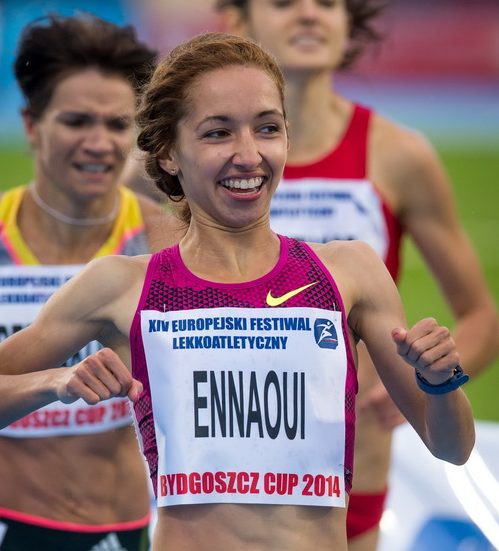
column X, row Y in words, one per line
column 372, row 302
column 374, row 309
column 74, row 315
column 423, row 199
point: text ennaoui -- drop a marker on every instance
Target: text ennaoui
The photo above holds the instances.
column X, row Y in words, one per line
column 239, row 403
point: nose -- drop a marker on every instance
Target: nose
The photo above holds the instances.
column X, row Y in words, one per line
column 98, row 141
column 307, row 10
column 247, row 154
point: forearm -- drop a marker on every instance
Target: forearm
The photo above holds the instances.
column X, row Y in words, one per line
column 449, row 425
column 22, row 394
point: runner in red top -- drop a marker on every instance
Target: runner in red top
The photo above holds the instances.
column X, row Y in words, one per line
column 334, row 198
column 372, row 178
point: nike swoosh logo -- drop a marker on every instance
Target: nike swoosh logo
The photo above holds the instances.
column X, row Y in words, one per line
column 277, row 301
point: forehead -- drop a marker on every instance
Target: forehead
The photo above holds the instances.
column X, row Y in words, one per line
column 92, row 91
column 233, row 89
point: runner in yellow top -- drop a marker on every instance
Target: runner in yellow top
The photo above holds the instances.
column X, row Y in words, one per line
column 62, row 469
column 128, row 235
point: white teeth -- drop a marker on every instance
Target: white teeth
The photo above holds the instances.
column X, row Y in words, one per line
column 93, row 167
column 305, row 40
column 250, row 183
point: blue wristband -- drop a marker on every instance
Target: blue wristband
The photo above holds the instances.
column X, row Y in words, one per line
column 458, row 379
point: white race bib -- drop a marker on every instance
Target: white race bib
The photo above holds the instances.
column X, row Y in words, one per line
column 320, row 210
column 248, row 404
column 23, row 292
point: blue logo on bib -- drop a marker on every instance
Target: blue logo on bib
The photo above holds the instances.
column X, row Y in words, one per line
column 325, row 334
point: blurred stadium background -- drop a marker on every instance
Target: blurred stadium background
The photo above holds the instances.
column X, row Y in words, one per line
column 437, row 71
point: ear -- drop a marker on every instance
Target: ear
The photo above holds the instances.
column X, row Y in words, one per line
column 234, row 22
column 30, row 127
column 168, row 164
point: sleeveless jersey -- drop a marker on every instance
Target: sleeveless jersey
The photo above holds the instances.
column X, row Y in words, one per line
column 25, row 286
column 249, row 388
column 333, row 198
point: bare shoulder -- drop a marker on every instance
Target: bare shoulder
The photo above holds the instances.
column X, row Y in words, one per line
column 163, row 227
column 103, row 279
column 393, row 140
column 405, row 164
column 100, row 295
column 366, row 287
column 118, row 268
column 345, row 253
column 355, row 267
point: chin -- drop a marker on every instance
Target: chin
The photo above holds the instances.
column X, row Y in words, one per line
column 309, row 63
column 93, row 190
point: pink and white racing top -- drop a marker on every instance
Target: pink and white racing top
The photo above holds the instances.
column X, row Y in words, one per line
column 249, row 388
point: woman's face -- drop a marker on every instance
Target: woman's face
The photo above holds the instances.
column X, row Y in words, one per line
column 303, row 35
column 231, row 146
column 84, row 135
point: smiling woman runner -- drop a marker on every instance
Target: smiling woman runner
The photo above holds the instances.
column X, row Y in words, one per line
column 63, row 468
column 247, row 424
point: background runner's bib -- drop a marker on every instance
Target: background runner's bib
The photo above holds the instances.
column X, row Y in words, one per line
column 322, row 210
column 248, row 405
column 23, row 292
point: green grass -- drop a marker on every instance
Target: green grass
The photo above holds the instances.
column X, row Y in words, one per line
column 475, row 175
column 16, row 167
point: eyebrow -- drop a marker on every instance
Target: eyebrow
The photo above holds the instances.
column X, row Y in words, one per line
column 91, row 116
column 225, row 118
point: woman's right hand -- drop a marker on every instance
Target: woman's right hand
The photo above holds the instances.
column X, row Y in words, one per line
column 98, row 377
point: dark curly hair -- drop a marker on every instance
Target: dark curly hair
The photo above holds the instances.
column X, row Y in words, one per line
column 165, row 100
column 53, row 47
column 362, row 31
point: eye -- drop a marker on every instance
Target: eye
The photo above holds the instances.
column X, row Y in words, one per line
column 119, row 124
column 282, row 3
column 269, row 128
column 74, row 120
column 217, row 133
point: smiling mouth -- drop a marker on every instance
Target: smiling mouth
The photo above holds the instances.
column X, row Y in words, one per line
column 243, row 185
column 307, row 40
column 95, row 168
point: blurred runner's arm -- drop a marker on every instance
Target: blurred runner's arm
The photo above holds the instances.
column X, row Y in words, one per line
column 75, row 315
column 427, row 210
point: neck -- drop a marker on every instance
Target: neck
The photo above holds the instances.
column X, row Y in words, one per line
column 227, row 255
column 317, row 114
column 74, row 221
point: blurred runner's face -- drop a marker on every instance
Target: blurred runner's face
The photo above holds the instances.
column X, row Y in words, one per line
column 231, row 146
column 84, row 135
column 302, row 34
